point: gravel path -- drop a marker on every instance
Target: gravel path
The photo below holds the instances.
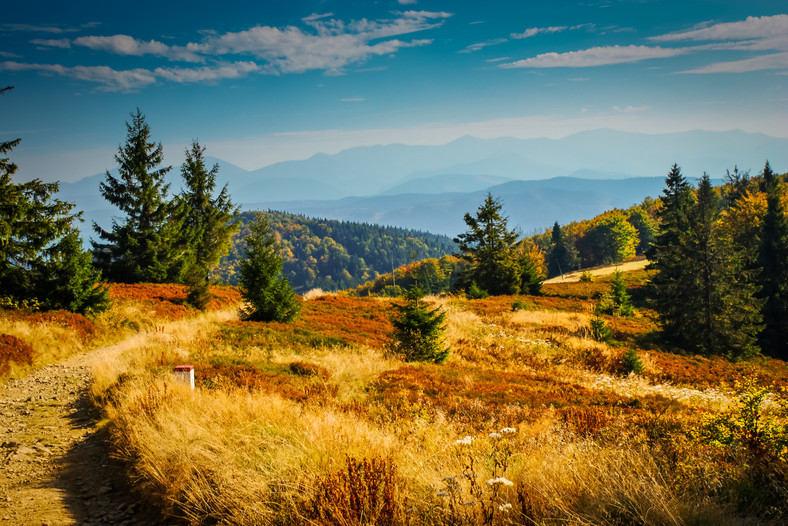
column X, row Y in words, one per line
column 54, row 466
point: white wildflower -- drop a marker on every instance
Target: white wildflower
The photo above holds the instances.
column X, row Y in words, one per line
column 500, row 480
column 505, row 507
column 496, row 435
column 508, row 430
column 464, row 441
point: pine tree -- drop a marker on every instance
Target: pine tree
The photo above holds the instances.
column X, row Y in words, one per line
column 704, row 301
column 418, row 330
column 773, row 262
column 530, row 275
column 671, row 287
column 68, row 279
column 489, row 246
column 42, row 262
column 268, row 295
column 149, row 245
column 726, row 314
column 562, row 256
column 207, row 222
column 616, row 301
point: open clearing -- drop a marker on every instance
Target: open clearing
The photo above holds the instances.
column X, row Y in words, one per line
column 628, row 266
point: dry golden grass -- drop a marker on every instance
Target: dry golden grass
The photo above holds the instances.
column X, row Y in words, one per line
column 590, row 446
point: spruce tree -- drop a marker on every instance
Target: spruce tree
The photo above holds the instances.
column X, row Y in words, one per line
column 418, row 330
column 773, row 262
column 267, row 294
column 704, row 300
column 530, row 276
column 671, row 287
column 42, row 262
column 562, row 256
column 489, row 247
column 206, row 222
column 726, row 317
column 148, row 245
column 616, row 301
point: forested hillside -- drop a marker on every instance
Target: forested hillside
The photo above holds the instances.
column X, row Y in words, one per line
column 333, row 255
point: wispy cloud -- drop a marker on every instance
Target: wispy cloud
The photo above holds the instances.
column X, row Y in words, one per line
column 764, row 33
column 631, row 109
column 753, row 27
column 38, row 29
column 326, row 44
column 406, row 2
column 596, row 56
column 109, row 79
column 482, row 45
column 62, row 43
column 533, row 31
column 209, row 73
column 126, row 45
column 333, row 46
column 764, row 62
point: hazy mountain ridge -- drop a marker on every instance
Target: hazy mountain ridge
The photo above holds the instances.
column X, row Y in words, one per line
column 431, row 187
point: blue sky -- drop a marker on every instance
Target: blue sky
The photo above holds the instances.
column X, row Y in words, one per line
column 264, row 82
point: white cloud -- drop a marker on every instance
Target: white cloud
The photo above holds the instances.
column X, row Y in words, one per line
column 764, row 62
column 764, row 33
column 631, row 109
column 752, row 27
column 208, row 73
column 334, row 46
column 597, row 56
column 407, row 2
column 62, row 43
column 533, row 31
column 499, row 59
column 37, row 29
column 109, row 79
column 482, row 45
column 126, row 45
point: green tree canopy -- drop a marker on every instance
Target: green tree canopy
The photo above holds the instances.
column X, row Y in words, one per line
column 41, row 258
column 268, row 295
column 773, row 262
column 489, row 246
column 207, row 222
column 418, row 330
column 148, row 245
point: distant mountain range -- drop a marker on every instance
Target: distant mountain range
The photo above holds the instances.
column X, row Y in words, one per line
column 431, row 187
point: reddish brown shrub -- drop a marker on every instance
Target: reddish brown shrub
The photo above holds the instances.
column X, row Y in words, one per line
column 14, row 350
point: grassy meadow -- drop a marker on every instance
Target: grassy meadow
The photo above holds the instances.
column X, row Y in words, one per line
column 529, row 421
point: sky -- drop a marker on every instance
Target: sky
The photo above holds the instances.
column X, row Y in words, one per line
column 263, row 82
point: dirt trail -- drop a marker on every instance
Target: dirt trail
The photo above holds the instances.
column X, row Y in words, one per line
column 54, row 466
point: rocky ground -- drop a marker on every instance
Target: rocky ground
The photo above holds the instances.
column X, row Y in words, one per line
column 54, row 465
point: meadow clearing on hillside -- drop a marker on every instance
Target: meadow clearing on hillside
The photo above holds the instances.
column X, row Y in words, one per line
column 530, row 420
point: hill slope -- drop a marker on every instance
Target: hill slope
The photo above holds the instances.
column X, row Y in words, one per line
column 333, row 255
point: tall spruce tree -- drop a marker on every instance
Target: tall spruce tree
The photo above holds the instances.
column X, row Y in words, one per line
column 42, row 262
column 489, row 247
column 562, row 256
column 724, row 313
column 148, row 245
column 268, row 294
column 773, row 261
column 207, row 222
column 671, row 287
